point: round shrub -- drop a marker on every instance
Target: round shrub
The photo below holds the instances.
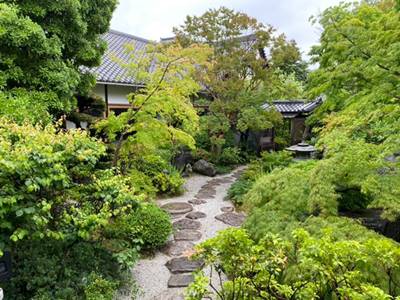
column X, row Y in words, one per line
column 148, row 226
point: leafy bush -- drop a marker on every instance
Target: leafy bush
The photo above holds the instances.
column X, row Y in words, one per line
column 99, row 288
column 300, row 267
column 149, row 228
column 52, row 269
column 258, row 167
column 164, row 177
column 230, row 156
column 238, row 189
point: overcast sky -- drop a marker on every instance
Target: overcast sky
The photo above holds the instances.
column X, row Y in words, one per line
column 153, row 19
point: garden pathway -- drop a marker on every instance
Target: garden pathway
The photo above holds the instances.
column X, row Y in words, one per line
column 197, row 215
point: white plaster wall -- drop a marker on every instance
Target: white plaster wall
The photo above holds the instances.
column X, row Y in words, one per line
column 116, row 93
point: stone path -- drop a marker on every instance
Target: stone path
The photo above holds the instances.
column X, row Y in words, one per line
column 197, row 215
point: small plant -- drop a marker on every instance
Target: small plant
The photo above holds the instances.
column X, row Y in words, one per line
column 230, row 156
column 149, row 226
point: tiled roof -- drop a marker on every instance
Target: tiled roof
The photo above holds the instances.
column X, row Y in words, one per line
column 293, row 107
column 110, row 70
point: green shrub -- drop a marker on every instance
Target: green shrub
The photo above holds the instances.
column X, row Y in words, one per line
column 148, row 227
column 230, row 156
column 257, row 168
column 238, row 189
column 99, row 288
column 52, row 269
column 301, row 266
column 164, row 177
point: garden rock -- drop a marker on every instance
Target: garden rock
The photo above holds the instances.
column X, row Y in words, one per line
column 226, row 209
column 183, row 265
column 178, row 248
column 187, row 235
column 231, row 218
column 180, row 280
column 186, row 224
column 197, row 201
column 196, row 215
column 177, row 208
column 205, row 168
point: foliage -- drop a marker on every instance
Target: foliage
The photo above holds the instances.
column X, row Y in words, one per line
column 257, row 167
column 241, row 76
column 99, row 288
column 43, row 45
column 302, row 267
column 230, row 156
column 50, row 269
column 17, row 106
column 358, row 58
column 51, row 187
column 149, row 228
column 162, row 118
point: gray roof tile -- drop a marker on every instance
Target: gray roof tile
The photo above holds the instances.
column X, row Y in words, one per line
column 110, row 71
column 294, row 107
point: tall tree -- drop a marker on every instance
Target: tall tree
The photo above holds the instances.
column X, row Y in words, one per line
column 43, row 44
column 246, row 63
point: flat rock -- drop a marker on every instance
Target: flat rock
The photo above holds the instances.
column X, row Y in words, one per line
column 205, row 168
column 170, row 294
column 197, row 201
column 226, row 209
column 183, row 265
column 177, row 208
column 196, row 215
column 178, row 248
column 231, row 218
column 187, row 235
column 180, row 280
column 186, row 224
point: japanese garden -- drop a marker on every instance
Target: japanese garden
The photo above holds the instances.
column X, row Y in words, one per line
column 218, row 163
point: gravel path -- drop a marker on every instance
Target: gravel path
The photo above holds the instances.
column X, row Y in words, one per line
column 206, row 195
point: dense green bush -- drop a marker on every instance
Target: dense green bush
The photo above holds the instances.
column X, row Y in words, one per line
column 51, row 269
column 301, row 266
column 257, row 167
column 230, row 156
column 148, row 228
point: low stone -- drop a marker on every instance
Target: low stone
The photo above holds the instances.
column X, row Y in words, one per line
column 178, row 248
column 196, row 215
column 186, row 224
column 183, row 265
column 227, row 209
column 180, row 280
column 231, row 218
column 197, row 201
column 187, row 235
column 205, row 168
column 177, row 208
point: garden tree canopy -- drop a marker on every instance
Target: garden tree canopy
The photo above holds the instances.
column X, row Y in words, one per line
column 53, row 188
column 162, row 118
column 43, row 43
column 360, row 75
column 242, row 73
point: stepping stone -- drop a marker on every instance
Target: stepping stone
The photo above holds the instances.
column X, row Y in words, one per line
column 178, row 248
column 205, row 195
column 180, row 280
column 231, row 218
column 177, row 208
column 196, row 215
column 186, row 224
column 183, row 265
column 197, row 201
column 187, row 235
column 227, row 209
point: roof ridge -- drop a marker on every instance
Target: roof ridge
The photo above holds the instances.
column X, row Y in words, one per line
column 129, row 36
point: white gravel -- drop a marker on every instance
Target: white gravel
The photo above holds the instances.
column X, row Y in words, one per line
column 150, row 273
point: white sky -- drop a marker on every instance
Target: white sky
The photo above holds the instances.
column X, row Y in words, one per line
column 153, row 19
